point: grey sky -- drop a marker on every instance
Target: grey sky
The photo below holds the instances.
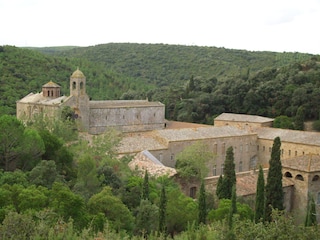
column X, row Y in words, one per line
column 259, row 25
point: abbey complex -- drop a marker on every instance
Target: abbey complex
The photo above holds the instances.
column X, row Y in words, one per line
column 150, row 137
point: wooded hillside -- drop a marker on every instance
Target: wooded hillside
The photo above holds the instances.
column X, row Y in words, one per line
column 195, row 83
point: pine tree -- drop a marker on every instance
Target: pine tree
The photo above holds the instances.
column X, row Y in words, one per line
column 311, row 218
column 274, row 191
column 229, row 178
column 145, row 187
column 202, row 218
column 162, row 211
column 260, row 197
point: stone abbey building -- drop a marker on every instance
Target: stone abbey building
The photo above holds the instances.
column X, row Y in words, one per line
column 93, row 116
column 149, row 137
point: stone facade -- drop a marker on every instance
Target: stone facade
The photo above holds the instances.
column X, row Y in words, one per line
column 304, row 172
column 93, row 116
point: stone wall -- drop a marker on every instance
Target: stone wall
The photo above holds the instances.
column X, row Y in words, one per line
column 125, row 118
column 244, row 147
column 26, row 111
column 288, row 150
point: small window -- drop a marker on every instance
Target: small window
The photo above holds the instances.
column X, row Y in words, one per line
column 257, row 148
column 215, row 148
column 296, row 153
column 214, row 170
column 74, row 85
column 193, row 192
column 289, row 152
column 269, row 149
column 240, row 166
column 263, row 148
column 172, row 157
column 223, row 149
column 315, row 178
column 222, row 169
column 288, row 175
column 299, row 177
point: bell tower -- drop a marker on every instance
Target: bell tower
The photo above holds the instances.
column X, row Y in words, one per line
column 80, row 98
column 77, row 84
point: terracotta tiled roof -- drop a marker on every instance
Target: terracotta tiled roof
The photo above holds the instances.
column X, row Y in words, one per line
column 247, row 183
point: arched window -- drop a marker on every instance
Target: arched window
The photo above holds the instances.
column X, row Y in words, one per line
column 315, row 178
column 288, row 175
column 81, row 85
column 74, row 85
column 299, row 177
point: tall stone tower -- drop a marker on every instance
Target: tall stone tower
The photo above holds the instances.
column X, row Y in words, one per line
column 80, row 99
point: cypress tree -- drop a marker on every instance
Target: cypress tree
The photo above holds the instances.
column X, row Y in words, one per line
column 299, row 119
column 274, row 191
column 311, row 218
column 260, row 197
column 145, row 187
column 233, row 206
column 219, row 187
column 229, row 178
column 162, row 211
column 202, row 218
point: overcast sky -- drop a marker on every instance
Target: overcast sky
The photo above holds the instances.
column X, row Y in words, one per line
column 257, row 25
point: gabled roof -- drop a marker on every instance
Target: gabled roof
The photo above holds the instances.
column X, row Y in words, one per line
column 123, row 104
column 51, row 84
column 145, row 161
column 306, row 163
column 39, row 98
column 243, row 118
column 200, row 133
column 286, row 135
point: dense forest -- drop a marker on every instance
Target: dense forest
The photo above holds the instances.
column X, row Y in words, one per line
column 195, row 83
column 54, row 184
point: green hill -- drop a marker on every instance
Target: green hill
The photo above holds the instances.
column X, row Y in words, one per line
column 195, row 83
column 162, row 64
